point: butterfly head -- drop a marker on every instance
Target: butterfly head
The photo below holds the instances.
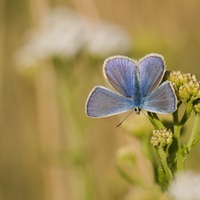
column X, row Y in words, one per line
column 137, row 110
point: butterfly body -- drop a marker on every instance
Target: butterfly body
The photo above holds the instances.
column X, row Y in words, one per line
column 137, row 85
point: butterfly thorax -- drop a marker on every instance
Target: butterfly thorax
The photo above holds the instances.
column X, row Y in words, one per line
column 137, row 96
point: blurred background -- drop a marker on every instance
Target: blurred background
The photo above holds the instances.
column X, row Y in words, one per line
column 51, row 56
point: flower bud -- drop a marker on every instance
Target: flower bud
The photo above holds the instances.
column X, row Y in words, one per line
column 161, row 137
column 186, row 86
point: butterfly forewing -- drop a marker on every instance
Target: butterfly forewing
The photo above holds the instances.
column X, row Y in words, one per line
column 151, row 71
column 120, row 72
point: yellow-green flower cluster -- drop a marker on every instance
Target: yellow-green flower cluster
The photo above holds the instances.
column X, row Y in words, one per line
column 186, row 86
column 161, row 137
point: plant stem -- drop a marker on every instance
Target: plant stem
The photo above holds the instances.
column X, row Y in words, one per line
column 193, row 135
column 179, row 155
column 163, row 156
column 153, row 117
column 175, row 117
column 187, row 113
column 196, row 140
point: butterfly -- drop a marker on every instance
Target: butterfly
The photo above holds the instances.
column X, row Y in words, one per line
column 137, row 85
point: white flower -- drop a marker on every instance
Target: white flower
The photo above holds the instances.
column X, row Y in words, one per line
column 64, row 33
column 105, row 39
column 59, row 34
column 186, row 186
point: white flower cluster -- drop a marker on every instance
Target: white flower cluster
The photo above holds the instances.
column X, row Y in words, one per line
column 186, row 186
column 104, row 38
column 64, row 32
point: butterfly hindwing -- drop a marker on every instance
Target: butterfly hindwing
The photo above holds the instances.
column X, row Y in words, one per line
column 103, row 102
column 162, row 100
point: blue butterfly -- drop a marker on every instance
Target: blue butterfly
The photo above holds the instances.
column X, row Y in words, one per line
column 137, row 85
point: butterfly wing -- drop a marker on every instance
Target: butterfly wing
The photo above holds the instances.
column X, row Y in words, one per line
column 102, row 102
column 120, row 72
column 162, row 100
column 151, row 71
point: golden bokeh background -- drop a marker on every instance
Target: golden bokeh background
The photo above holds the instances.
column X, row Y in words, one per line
column 49, row 148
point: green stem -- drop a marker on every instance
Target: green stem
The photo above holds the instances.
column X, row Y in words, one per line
column 175, row 117
column 154, row 119
column 125, row 175
column 193, row 135
column 180, row 156
column 134, row 179
column 163, row 158
column 187, row 113
column 196, row 140
column 179, row 153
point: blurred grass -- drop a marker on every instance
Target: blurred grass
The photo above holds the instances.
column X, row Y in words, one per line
column 49, row 149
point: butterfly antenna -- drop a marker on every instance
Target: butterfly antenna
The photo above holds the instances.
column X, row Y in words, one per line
column 124, row 119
